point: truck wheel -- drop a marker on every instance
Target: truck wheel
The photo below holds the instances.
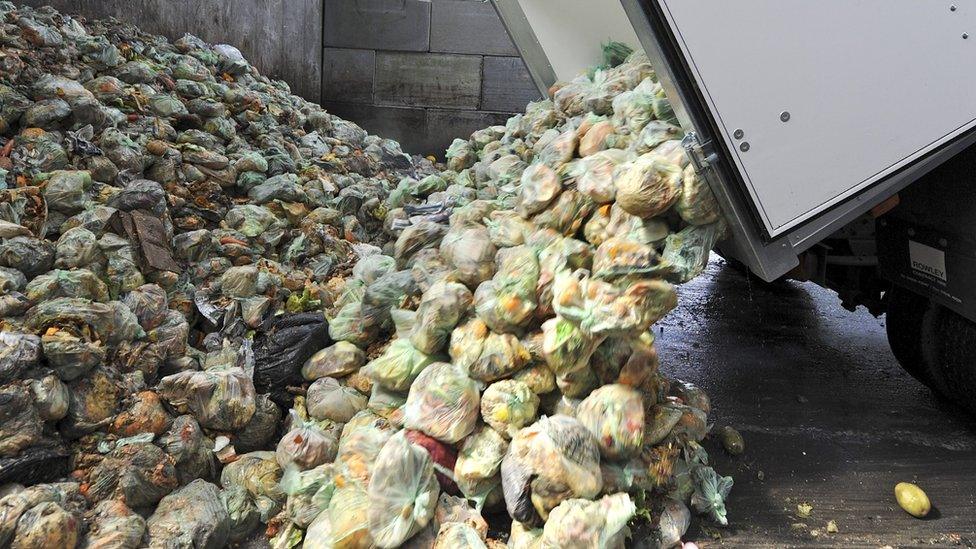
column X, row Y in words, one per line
column 950, row 347
column 906, row 313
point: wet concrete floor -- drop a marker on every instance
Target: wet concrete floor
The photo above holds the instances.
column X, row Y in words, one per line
column 828, row 416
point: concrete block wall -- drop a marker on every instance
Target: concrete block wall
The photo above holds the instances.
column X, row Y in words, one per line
column 421, row 71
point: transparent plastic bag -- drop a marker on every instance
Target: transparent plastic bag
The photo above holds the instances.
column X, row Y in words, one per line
column 540, row 186
column 443, row 403
column 686, row 252
column 306, row 445
column 78, row 247
column 349, row 512
column 648, row 187
column 191, row 450
column 402, row 492
column 567, row 348
column 76, row 283
column 615, row 416
column 595, row 175
column 46, row 524
column 601, row 308
column 328, row 399
column 309, row 492
column 471, row 252
column 476, row 470
column 51, row 397
column 359, row 446
column 191, row 516
column 221, row 398
column 114, row 526
column 20, row 424
column 140, row 474
column 440, row 309
column 509, row 405
column 580, row 524
column 507, row 301
column 398, row 366
column 457, row 535
column 552, row 460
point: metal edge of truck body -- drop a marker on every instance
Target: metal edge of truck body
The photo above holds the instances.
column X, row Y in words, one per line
column 520, row 31
column 769, row 259
column 812, row 231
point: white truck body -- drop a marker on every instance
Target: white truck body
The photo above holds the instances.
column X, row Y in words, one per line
column 807, row 114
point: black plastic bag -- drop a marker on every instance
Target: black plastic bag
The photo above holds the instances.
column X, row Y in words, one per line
column 282, row 348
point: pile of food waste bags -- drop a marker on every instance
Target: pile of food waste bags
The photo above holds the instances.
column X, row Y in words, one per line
column 227, row 316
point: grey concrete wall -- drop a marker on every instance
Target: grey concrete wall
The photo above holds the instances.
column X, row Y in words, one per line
column 282, row 38
column 421, row 71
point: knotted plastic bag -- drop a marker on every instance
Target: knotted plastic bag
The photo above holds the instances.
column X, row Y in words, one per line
column 507, row 301
column 566, row 347
column 648, row 186
column 114, row 526
column 595, row 175
column 328, row 399
column 190, row 449
column 540, row 186
column 138, row 473
column 478, row 464
column 359, row 446
column 191, row 516
column 339, row 360
column 307, row 444
column 509, row 405
column 222, row 398
column 402, row 492
column 581, row 524
column 552, row 460
column 443, row 403
column 442, row 305
column 686, row 252
column 615, row 416
column 471, row 252
column 398, row 366
column 602, row 308
column 309, row 492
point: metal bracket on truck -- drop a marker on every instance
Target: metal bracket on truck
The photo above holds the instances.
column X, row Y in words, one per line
column 806, row 134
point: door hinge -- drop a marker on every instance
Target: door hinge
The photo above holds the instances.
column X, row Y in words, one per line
column 701, row 154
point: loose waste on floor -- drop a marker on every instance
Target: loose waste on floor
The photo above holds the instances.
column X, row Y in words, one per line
column 228, row 315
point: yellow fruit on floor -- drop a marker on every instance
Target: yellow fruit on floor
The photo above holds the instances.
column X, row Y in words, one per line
column 912, row 499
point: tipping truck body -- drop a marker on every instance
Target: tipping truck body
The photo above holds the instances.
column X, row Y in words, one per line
column 821, row 130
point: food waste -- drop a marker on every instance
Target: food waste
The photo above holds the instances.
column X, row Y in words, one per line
column 228, row 315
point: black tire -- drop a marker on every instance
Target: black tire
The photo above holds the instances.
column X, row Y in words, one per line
column 904, row 326
column 949, row 346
